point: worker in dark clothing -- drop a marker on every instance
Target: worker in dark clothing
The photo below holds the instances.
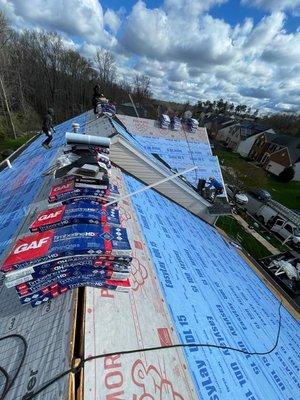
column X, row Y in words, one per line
column 97, row 99
column 47, row 128
column 200, row 186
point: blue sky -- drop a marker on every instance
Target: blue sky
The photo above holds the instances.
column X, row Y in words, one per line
column 245, row 51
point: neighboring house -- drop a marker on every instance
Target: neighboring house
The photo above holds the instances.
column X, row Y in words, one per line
column 261, row 145
column 215, row 124
column 244, row 147
column 275, row 153
column 232, row 136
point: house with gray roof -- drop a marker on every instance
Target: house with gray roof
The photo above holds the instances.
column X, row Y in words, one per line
column 275, row 153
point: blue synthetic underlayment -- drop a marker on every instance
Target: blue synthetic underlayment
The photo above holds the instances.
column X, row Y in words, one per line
column 179, row 154
column 215, row 297
column 19, row 185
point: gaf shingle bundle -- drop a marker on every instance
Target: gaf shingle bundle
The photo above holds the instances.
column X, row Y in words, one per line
column 80, row 242
column 88, row 212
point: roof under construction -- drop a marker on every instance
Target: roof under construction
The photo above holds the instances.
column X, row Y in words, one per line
column 189, row 285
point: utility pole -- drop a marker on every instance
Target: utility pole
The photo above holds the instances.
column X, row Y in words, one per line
column 7, row 107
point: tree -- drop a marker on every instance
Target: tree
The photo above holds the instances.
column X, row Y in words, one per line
column 243, row 108
column 238, row 109
column 37, row 71
column 286, row 124
column 106, row 65
column 209, row 106
column 287, row 174
column 5, row 34
column 141, row 89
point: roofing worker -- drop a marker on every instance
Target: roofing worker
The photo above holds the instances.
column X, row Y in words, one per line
column 215, row 188
column 47, row 128
column 97, row 98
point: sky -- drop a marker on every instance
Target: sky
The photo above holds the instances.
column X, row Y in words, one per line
column 244, row 51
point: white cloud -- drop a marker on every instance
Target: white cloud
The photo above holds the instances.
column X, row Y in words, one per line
column 165, row 34
column 188, row 54
column 112, row 20
column 265, row 32
column 275, row 5
column 82, row 18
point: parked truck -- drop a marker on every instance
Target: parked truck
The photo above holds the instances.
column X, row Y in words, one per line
column 278, row 218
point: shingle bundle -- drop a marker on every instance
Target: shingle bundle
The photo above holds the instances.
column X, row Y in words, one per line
column 164, row 121
column 78, row 242
column 192, row 124
column 175, row 123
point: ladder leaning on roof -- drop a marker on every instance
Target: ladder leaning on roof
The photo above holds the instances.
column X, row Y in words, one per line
column 284, row 211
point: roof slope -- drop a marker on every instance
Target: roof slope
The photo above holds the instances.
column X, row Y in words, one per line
column 48, row 328
column 180, row 150
column 213, row 296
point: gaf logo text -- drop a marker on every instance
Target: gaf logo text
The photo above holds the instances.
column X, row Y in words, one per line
column 50, row 216
column 36, row 244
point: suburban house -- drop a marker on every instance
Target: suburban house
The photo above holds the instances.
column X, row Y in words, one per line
column 277, row 152
column 215, row 124
column 240, row 136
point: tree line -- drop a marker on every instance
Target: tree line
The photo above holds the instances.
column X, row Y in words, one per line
column 37, row 71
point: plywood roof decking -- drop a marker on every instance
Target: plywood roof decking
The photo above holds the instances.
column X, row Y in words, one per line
column 125, row 321
column 150, row 127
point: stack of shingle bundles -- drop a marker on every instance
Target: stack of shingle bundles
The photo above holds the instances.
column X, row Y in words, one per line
column 175, row 123
column 70, row 190
column 79, row 242
column 43, row 265
column 164, row 121
column 192, row 124
column 80, row 212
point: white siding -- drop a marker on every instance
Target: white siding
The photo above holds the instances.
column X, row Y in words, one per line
column 223, row 133
column 274, row 168
column 245, row 146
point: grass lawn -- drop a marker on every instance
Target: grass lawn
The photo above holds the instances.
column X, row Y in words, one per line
column 287, row 194
column 13, row 144
column 238, row 234
column 270, row 237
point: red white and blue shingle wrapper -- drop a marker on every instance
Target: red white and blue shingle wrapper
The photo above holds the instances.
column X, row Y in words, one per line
column 19, row 276
column 66, row 191
column 70, row 282
column 53, row 291
column 82, row 212
column 33, row 283
column 72, row 240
